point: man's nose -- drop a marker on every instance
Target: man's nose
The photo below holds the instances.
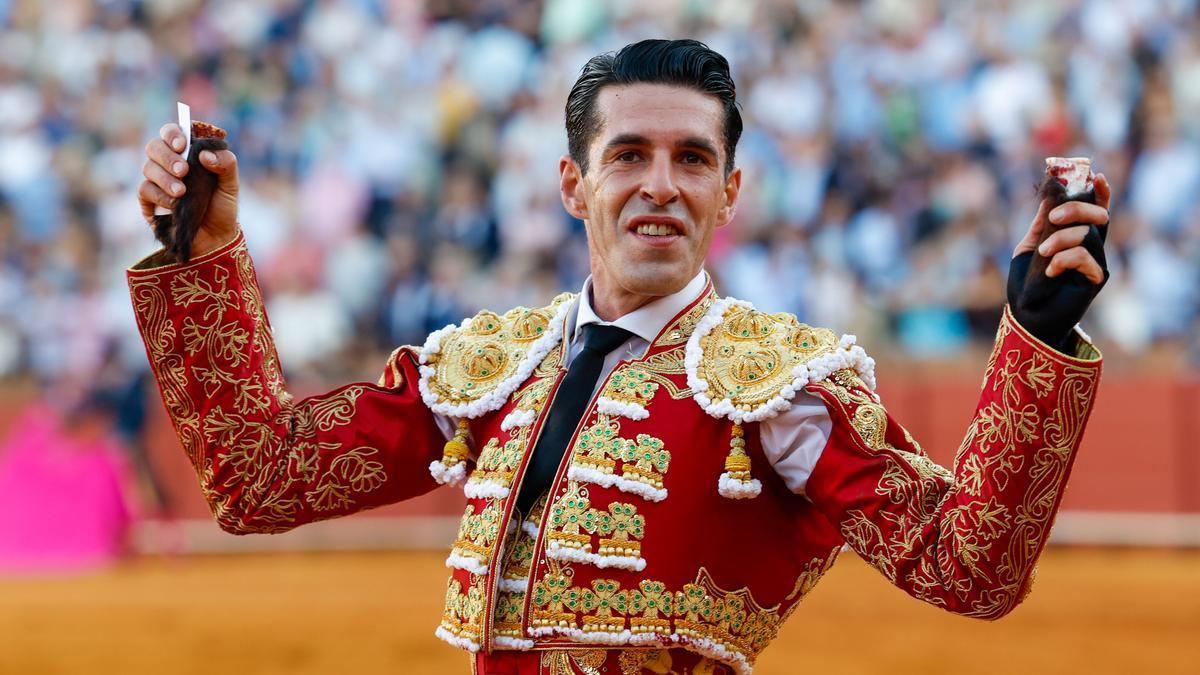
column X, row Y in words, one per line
column 658, row 186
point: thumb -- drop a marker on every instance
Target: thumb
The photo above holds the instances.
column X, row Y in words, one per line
column 1030, row 241
column 224, row 164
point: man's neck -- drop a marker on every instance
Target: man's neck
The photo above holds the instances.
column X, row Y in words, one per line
column 611, row 303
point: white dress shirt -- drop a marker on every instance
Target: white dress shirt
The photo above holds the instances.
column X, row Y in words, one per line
column 792, row 441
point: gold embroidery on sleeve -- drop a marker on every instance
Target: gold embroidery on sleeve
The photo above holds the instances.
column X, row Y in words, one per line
column 268, row 446
column 986, row 464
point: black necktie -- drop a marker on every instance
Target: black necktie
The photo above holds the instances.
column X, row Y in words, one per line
column 569, row 403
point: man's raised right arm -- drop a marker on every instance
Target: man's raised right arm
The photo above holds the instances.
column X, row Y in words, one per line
column 266, row 462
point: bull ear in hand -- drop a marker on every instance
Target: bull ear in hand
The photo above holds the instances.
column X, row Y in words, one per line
column 1049, row 307
column 176, row 231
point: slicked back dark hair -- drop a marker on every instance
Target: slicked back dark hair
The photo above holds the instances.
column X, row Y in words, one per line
column 686, row 63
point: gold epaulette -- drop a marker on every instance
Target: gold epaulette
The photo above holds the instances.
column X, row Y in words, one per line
column 746, row 365
column 472, row 368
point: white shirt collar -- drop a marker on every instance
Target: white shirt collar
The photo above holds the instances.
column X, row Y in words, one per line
column 647, row 321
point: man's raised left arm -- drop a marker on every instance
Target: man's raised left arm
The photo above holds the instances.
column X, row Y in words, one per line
column 968, row 539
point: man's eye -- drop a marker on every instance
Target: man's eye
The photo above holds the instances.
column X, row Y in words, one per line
column 627, row 156
column 693, row 158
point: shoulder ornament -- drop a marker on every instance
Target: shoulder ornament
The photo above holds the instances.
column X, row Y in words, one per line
column 472, row 368
column 746, row 365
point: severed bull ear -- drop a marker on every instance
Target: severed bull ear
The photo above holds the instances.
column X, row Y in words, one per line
column 1048, row 307
column 1067, row 180
column 176, row 230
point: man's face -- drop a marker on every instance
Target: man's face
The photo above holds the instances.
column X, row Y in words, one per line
column 655, row 189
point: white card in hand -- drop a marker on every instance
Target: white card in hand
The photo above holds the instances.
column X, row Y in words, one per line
column 185, row 123
column 184, row 113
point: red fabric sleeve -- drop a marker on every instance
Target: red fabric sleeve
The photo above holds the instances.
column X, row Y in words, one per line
column 267, row 463
column 966, row 540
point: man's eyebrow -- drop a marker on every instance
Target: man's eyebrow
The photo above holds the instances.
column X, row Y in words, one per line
column 626, row 139
column 693, row 142
column 698, row 143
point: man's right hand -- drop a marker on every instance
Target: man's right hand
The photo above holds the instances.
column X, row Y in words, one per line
column 164, row 171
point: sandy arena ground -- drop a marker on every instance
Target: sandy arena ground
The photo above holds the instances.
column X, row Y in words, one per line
column 1092, row 611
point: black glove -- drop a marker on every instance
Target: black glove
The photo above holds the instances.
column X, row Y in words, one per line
column 1049, row 307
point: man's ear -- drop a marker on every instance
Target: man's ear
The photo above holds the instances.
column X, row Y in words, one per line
column 733, row 186
column 570, row 187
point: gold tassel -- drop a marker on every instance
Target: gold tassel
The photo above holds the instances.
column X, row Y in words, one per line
column 736, row 482
column 737, row 464
column 456, row 450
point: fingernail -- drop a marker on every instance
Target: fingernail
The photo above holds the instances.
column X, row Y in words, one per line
column 178, row 168
column 1044, row 248
column 177, row 144
column 176, row 188
column 1056, row 214
column 208, row 157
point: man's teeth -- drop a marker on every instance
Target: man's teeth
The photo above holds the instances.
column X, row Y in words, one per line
column 657, row 230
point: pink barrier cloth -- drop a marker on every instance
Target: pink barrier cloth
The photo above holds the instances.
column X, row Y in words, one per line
column 64, row 503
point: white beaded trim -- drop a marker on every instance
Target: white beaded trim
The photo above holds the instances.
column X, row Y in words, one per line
column 585, row 474
column 588, row 636
column 518, row 418
column 513, row 585
column 506, row 642
column 730, row 487
column 457, row 640
column 465, row 563
column 718, row 651
column 530, row 529
column 453, row 475
column 486, row 489
column 503, row 389
column 633, row 411
column 567, row 554
column 848, row 355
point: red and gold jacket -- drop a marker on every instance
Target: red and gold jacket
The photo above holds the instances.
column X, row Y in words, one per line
column 665, row 526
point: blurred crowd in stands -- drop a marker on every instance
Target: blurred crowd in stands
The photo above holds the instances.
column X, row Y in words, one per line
column 399, row 161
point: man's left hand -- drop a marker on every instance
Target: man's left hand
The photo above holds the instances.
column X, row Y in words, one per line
column 1050, row 306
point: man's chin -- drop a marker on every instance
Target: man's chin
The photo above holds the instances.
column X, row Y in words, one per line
column 658, row 284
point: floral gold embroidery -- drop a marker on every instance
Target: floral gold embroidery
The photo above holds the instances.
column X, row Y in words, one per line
column 678, row 332
column 645, row 461
column 728, row 625
column 518, row 557
column 969, row 540
column 496, row 467
column 627, row 393
column 256, row 452
column 566, row 519
column 670, row 362
column 598, row 446
column 870, row 421
column 508, row 614
column 573, row 661
column 551, row 597
column 620, row 530
column 473, row 368
column 460, row 623
column 649, row 606
column 752, row 354
column 477, row 534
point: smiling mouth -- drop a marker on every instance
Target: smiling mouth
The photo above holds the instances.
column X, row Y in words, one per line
column 657, row 230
